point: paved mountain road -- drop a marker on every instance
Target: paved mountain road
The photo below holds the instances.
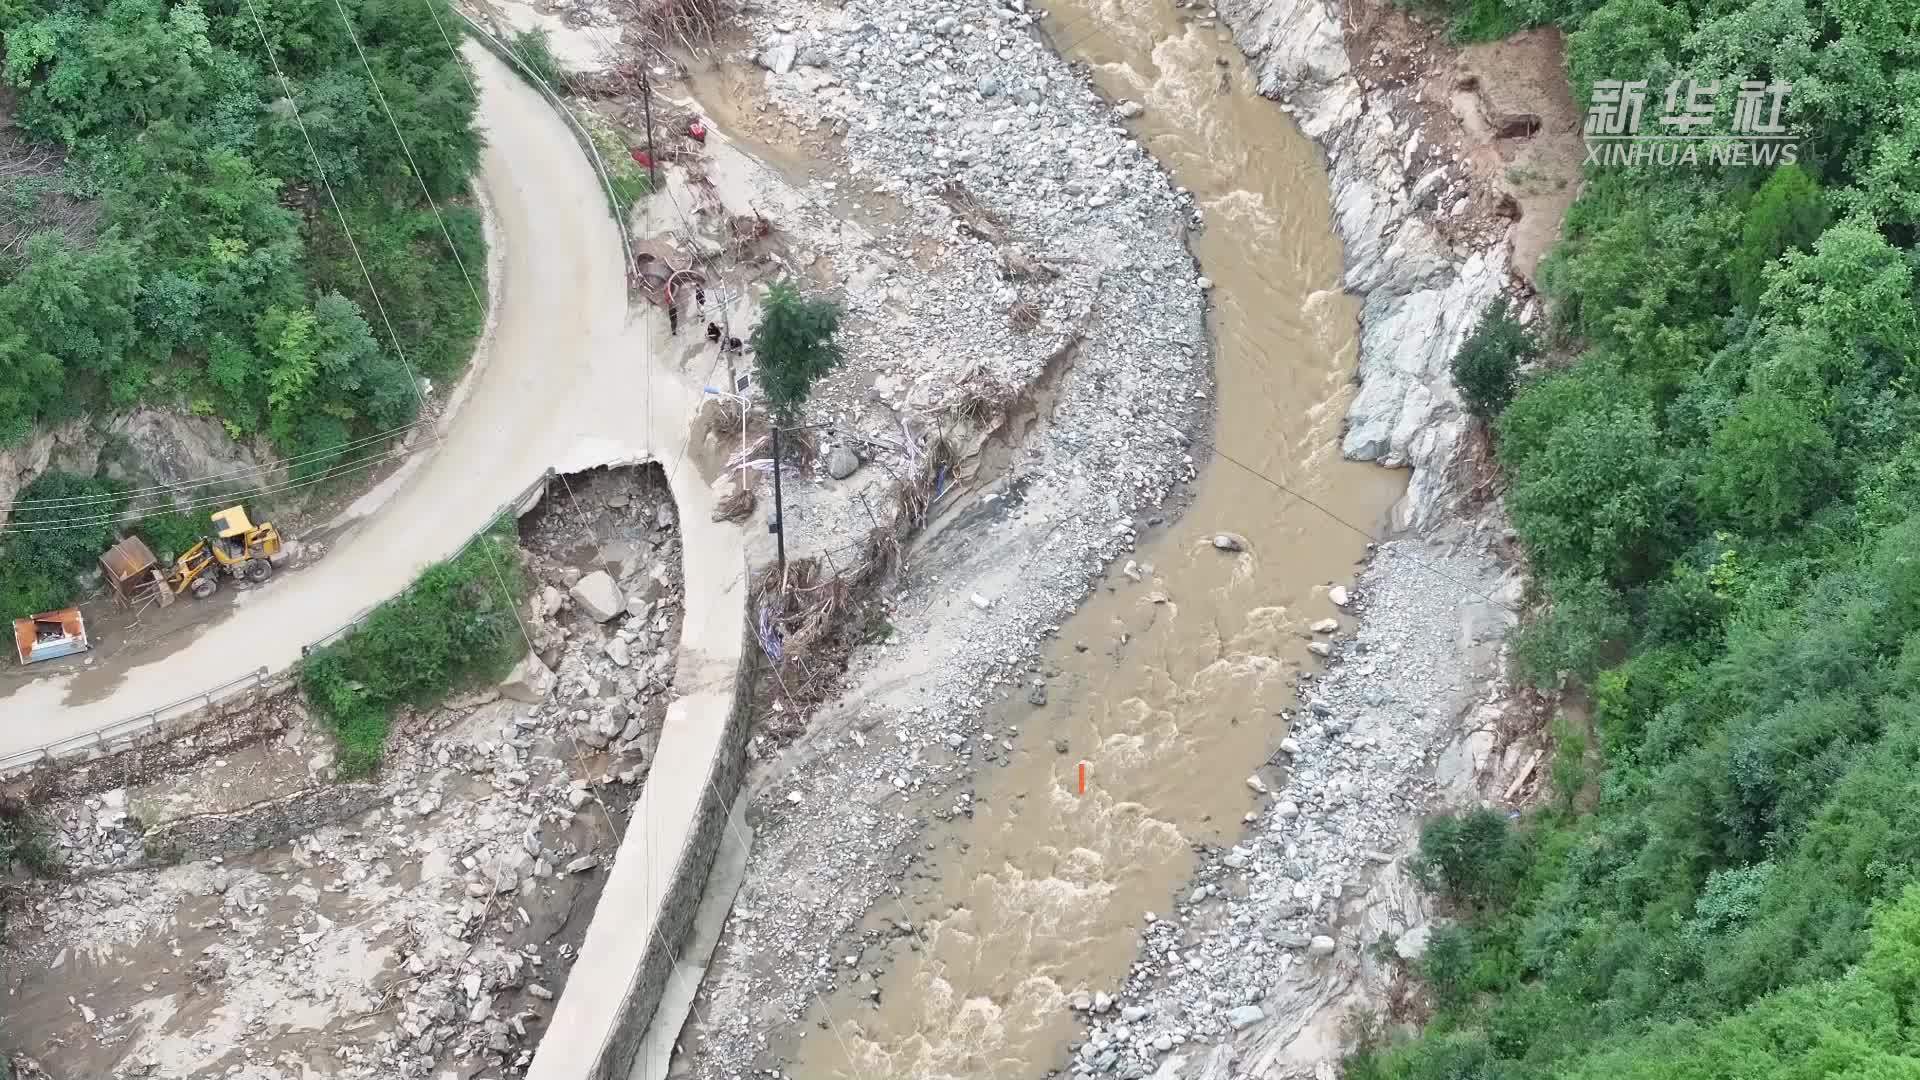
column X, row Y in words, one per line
column 565, row 382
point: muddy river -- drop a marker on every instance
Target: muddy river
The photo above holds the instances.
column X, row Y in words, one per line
column 1175, row 698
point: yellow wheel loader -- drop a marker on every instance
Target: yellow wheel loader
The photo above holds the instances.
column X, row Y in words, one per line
column 238, row 548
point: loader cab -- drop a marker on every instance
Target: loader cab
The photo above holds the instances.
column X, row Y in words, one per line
column 231, row 529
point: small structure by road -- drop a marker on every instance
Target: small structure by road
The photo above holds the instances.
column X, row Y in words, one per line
column 50, row 635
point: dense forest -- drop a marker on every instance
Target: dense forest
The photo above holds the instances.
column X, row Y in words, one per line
column 1716, row 473
column 187, row 249
column 205, row 205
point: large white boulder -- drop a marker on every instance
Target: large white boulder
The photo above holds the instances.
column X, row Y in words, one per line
column 599, row 596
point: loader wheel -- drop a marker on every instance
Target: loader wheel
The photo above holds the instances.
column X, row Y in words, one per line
column 258, row 571
column 204, row 587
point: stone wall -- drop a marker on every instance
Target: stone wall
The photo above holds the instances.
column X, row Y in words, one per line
column 261, row 825
column 249, row 714
column 688, row 884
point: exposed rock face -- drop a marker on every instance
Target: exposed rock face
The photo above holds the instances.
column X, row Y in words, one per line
column 72, row 445
column 1421, row 298
column 173, row 448
column 156, row 447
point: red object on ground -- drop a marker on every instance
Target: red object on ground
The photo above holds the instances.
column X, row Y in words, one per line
column 640, row 158
column 697, row 130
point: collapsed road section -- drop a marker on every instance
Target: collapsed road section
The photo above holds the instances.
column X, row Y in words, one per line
column 257, row 916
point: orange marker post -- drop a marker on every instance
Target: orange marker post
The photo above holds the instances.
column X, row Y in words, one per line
column 1083, row 778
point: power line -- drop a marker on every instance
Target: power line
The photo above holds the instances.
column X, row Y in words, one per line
column 286, row 88
column 380, row 96
column 679, row 459
column 216, row 478
column 1380, row 543
column 347, row 231
column 373, row 290
column 68, row 524
column 454, row 55
column 486, row 549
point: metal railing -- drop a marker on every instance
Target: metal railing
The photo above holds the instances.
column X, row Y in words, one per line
column 100, row 738
column 495, row 45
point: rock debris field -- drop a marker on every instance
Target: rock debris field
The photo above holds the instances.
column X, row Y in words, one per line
column 1031, row 301
column 1030, row 239
column 430, row 932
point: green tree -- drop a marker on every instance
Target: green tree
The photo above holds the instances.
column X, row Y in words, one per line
column 1627, row 40
column 454, row 626
column 1854, row 290
column 133, row 62
column 1544, row 404
column 209, row 282
column 793, row 346
column 1593, row 501
column 1587, row 619
column 1721, row 496
column 1642, row 272
column 1475, row 858
column 1789, row 212
column 57, row 528
column 1770, row 464
column 1487, row 365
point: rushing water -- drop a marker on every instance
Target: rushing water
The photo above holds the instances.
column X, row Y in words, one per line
column 1044, row 891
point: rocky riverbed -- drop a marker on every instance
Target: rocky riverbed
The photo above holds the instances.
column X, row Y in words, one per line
column 1312, row 919
column 927, row 96
column 1029, row 296
column 1312, row 914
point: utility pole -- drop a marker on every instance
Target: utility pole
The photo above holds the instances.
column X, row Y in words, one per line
column 779, row 525
column 646, row 103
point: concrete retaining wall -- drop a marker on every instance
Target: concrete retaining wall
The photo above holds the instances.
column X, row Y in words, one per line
column 647, row 907
column 645, row 915
column 685, row 886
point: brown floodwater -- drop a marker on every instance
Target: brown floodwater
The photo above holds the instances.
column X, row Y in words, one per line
column 1175, row 701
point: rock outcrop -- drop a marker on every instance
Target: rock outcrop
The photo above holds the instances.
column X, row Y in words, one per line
column 1420, row 296
column 173, row 448
column 144, row 448
column 72, row 445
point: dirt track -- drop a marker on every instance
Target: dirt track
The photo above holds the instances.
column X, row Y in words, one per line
column 565, row 377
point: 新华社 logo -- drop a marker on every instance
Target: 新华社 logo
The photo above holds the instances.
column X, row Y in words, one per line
column 1688, row 129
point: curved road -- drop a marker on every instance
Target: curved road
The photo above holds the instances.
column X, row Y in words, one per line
column 568, row 382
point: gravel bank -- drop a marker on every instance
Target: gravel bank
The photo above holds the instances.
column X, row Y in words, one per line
column 1311, row 911
column 1037, row 261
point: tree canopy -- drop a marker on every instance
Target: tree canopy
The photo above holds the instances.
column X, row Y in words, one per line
column 793, row 346
column 1721, row 493
column 220, row 279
